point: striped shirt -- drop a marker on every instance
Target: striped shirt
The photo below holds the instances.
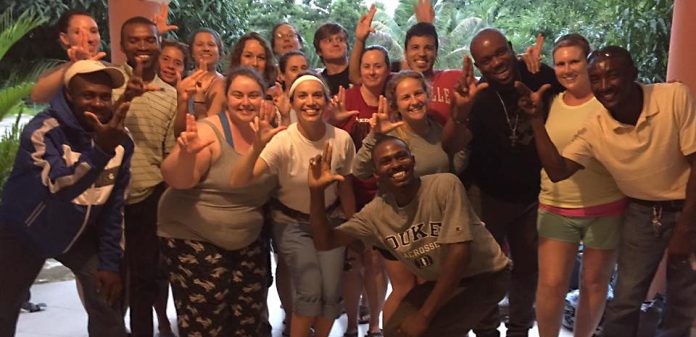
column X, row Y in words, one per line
column 150, row 121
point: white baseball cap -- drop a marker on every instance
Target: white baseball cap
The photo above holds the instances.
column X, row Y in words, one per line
column 92, row 66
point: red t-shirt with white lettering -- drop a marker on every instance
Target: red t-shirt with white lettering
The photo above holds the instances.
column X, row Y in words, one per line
column 442, row 85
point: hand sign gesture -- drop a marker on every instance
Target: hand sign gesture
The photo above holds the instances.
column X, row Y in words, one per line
column 136, row 86
column 380, row 122
column 465, row 91
column 81, row 51
column 319, row 173
column 424, row 11
column 189, row 142
column 281, row 100
column 112, row 133
column 160, row 20
column 532, row 56
column 263, row 128
column 337, row 108
column 190, row 85
column 364, row 26
column 531, row 102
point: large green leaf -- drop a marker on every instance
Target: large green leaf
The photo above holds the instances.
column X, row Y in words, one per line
column 13, row 30
column 12, row 96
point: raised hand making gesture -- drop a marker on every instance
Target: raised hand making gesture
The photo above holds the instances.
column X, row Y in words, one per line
column 424, row 12
column 262, row 125
column 381, row 122
column 136, row 86
column 532, row 56
column 160, row 20
column 111, row 134
column 81, row 51
column 531, row 102
column 189, row 142
column 465, row 91
column 364, row 26
column 337, row 108
column 319, row 173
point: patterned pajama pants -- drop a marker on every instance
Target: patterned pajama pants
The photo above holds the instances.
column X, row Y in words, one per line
column 218, row 292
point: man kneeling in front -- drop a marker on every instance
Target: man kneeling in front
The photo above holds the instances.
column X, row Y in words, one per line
column 429, row 225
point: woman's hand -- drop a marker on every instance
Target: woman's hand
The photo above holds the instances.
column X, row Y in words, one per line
column 380, row 121
column 319, row 173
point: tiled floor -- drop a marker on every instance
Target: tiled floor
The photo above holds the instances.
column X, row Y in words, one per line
column 65, row 316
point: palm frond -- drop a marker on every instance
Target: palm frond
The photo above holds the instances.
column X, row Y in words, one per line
column 13, row 30
column 10, row 97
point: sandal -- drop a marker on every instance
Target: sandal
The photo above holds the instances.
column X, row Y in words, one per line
column 374, row 334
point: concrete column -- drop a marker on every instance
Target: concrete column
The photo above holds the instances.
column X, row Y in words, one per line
column 682, row 50
column 122, row 10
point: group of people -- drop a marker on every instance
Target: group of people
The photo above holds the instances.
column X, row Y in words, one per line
column 457, row 190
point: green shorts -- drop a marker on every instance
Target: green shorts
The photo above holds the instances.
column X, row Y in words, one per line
column 593, row 232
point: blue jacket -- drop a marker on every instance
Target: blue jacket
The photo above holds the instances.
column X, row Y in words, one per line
column 62, row 183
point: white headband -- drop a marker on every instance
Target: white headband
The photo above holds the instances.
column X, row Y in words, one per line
column 305, row 78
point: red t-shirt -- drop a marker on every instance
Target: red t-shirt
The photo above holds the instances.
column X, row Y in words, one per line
column 442, row 85
column 359, row 127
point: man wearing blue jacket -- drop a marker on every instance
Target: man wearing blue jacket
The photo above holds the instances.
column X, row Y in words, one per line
column 65, row 197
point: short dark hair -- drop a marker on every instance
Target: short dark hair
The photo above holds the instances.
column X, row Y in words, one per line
column 573, row 40
column 277, row 25
column 184, row 48
column 137, row 20
column 327, row 30
column 238, row 48
column 64, row 20
column 216, row 37
column 387, row 138
column 246, row 72
column 283, row 61
column 379, row 48
column 422, row 29
column 611, row 51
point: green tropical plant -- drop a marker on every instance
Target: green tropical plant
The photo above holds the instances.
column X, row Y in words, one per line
column 9, row 144
column 11, row 31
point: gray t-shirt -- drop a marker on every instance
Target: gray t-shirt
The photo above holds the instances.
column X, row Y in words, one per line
column 418, row 233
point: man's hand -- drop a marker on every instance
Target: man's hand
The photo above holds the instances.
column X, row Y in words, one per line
column 414, row 325
column 81, row 51
column 424, row 11
column 109, row 286
column 531, row 102
column 319, row 175
column 364, row 26
column 465, row 91
column 337, row 108
column 136, row 86
column 189, row 141
column 160, row 20
column 110, row 135
column 380, row 122
column 532, row 56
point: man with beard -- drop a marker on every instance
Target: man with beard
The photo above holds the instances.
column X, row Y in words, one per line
column 151, row 121
column 65, row 197
column 503, row 164
column 646, row 138
column 428, row 224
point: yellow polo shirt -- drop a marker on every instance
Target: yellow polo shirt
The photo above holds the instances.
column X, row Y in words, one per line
column 648, row 160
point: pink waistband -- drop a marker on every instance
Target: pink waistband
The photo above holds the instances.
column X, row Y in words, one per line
column 615, row 208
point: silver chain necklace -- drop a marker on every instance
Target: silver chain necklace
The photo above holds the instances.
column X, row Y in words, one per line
column 513, row 127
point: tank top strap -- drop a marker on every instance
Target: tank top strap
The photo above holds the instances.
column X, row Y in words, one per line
column 226, row 127
column 220, row 137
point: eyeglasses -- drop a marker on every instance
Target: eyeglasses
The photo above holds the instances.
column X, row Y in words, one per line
column 289, row 35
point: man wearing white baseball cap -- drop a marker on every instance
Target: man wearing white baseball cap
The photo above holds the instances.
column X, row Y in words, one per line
column 64, row 198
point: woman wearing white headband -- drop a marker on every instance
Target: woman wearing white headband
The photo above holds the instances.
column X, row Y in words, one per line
column 315, row 275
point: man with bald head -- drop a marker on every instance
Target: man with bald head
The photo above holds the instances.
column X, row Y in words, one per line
column 646, row 138
column 504, row 164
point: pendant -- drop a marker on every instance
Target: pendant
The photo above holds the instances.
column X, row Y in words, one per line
column 513, row 139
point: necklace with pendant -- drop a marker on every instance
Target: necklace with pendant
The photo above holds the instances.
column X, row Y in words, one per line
column 513, row 127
